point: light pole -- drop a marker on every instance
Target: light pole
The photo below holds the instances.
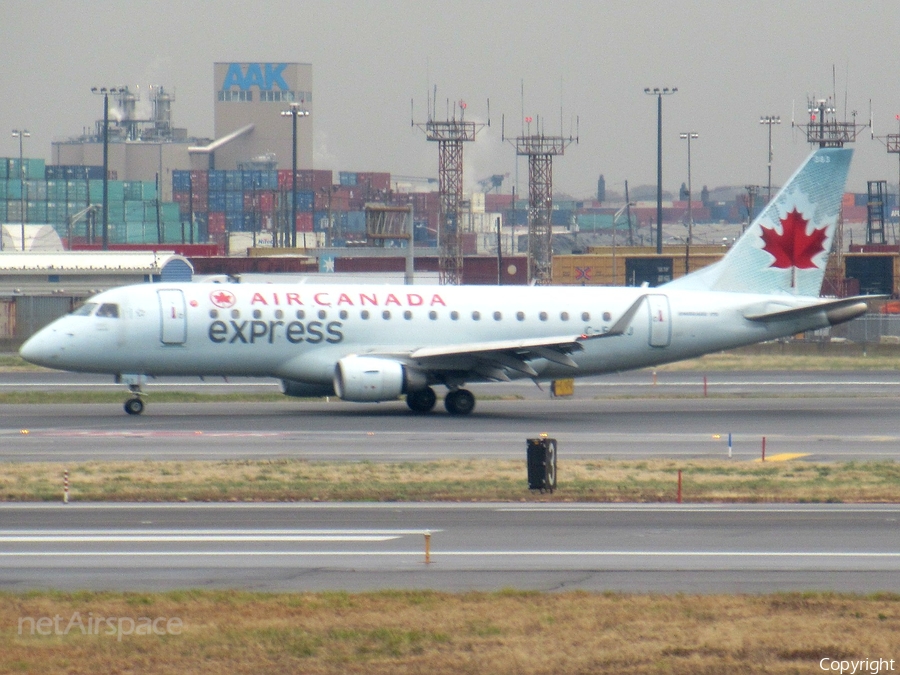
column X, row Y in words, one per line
column 293, row 111
column 22, row 134
column 769, row 120
column 688, row 136
column 659, row 93
column 105, row 92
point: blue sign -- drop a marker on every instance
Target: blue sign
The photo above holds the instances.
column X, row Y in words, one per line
column 264, row 76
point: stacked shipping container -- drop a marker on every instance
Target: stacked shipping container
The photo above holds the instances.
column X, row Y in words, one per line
column 54, row 194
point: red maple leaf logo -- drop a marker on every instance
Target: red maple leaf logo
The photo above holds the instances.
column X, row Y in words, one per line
column 223, row 299
column 793, row 248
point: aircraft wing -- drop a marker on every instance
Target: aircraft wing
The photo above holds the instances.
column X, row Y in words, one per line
column 491, row 359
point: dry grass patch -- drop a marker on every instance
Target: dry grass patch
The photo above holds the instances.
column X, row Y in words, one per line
column 452, row 480
column 509, row 632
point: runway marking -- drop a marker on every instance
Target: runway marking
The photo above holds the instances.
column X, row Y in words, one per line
column 784, row 457
column 159, row 536
column 448, row 554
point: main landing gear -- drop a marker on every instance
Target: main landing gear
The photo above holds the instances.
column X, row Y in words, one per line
column 422, row 400
column 457, row 401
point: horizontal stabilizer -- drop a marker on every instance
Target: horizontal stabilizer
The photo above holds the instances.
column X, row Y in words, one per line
column 836, row 311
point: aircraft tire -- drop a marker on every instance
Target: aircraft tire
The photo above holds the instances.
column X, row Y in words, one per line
column 459, row 402
column 134, row 406
column 421, row 401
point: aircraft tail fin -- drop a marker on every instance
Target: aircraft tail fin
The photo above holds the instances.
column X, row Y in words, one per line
column 785, row 249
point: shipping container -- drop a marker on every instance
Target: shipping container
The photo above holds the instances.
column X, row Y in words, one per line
column 56, row 190
column 216, row 180
column 199, row 201
column 134, row 211
column 347, row 177
column 133, row 190
column 200, row 180
column 77, row 191
column 234, row 202
column 234, row 222
column 13, row 189
column 216, row 201
column 305, row 221
column 36, row 212
column 216, row 222
column 170, row 212
column 181, row 180
column 36, row 190
column 233, row 181
column 4, row 168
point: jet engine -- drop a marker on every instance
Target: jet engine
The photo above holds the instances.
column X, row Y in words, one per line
column 366, row 378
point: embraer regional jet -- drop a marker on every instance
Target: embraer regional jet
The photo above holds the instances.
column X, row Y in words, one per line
column 377, row 343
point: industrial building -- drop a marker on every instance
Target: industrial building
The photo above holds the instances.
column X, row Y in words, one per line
column 144, row 143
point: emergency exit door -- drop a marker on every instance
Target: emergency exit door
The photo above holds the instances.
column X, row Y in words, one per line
column 173, row 321
column 660, row 320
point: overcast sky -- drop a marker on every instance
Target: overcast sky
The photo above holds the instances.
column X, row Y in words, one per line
column 731, row 60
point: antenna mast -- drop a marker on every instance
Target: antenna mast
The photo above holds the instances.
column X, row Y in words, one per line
column 450, row 134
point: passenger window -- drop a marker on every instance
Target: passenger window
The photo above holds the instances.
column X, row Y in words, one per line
column 235, row 314
column 343, row 314
column 454, row 315
column 323, row 314
column 432, row 315
column 520, row 316
column 585, row 316
column 257, row 313
column 301, row 314
column 476, row 316
column 279, row 314
column 85, row 309
column 543, row 316
column 386, row 314
column 407, row 315
column 564, row 316
column 497, row 316
column 213, row 314
column 364, row 314
column 108, row 310
column 607, row 316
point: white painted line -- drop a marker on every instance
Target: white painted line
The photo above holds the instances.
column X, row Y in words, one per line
column 203, row 532
column 447, row 554
column 93, row 539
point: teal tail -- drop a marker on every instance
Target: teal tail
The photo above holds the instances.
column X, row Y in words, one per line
column 785, row 249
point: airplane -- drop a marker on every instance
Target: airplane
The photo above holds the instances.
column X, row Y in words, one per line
column 377, row 343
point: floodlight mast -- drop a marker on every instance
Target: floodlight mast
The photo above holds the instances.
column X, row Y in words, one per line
column 659, row 93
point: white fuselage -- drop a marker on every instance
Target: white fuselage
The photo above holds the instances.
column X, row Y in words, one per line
column 299, row 331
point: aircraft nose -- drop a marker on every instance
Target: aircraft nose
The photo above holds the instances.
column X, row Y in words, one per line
column 40, row 349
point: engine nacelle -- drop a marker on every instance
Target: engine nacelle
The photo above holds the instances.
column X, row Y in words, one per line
column 366, row 378
column 306, row 389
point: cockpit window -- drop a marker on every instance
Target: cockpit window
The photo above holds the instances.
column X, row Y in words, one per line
column 85, row 309
column 108, row 310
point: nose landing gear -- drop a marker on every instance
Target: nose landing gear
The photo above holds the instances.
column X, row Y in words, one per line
column 135, row 404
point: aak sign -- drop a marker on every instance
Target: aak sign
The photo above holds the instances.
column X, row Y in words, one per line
column 264, row 76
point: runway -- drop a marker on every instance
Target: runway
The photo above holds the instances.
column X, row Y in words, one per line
column 826, row 428
column 354, row 547
column 551, row 547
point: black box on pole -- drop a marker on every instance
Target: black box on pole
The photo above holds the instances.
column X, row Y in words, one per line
column 541, row 464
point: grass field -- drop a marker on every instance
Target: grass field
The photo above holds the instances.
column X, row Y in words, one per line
column 417, row 632
column 452, row 480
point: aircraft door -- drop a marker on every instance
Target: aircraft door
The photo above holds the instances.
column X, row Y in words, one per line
column 172, row 317
column 660, row 320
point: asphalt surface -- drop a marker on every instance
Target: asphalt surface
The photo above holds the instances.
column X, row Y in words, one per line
column 828, row 428
column 552, row 547
column 659, row 548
